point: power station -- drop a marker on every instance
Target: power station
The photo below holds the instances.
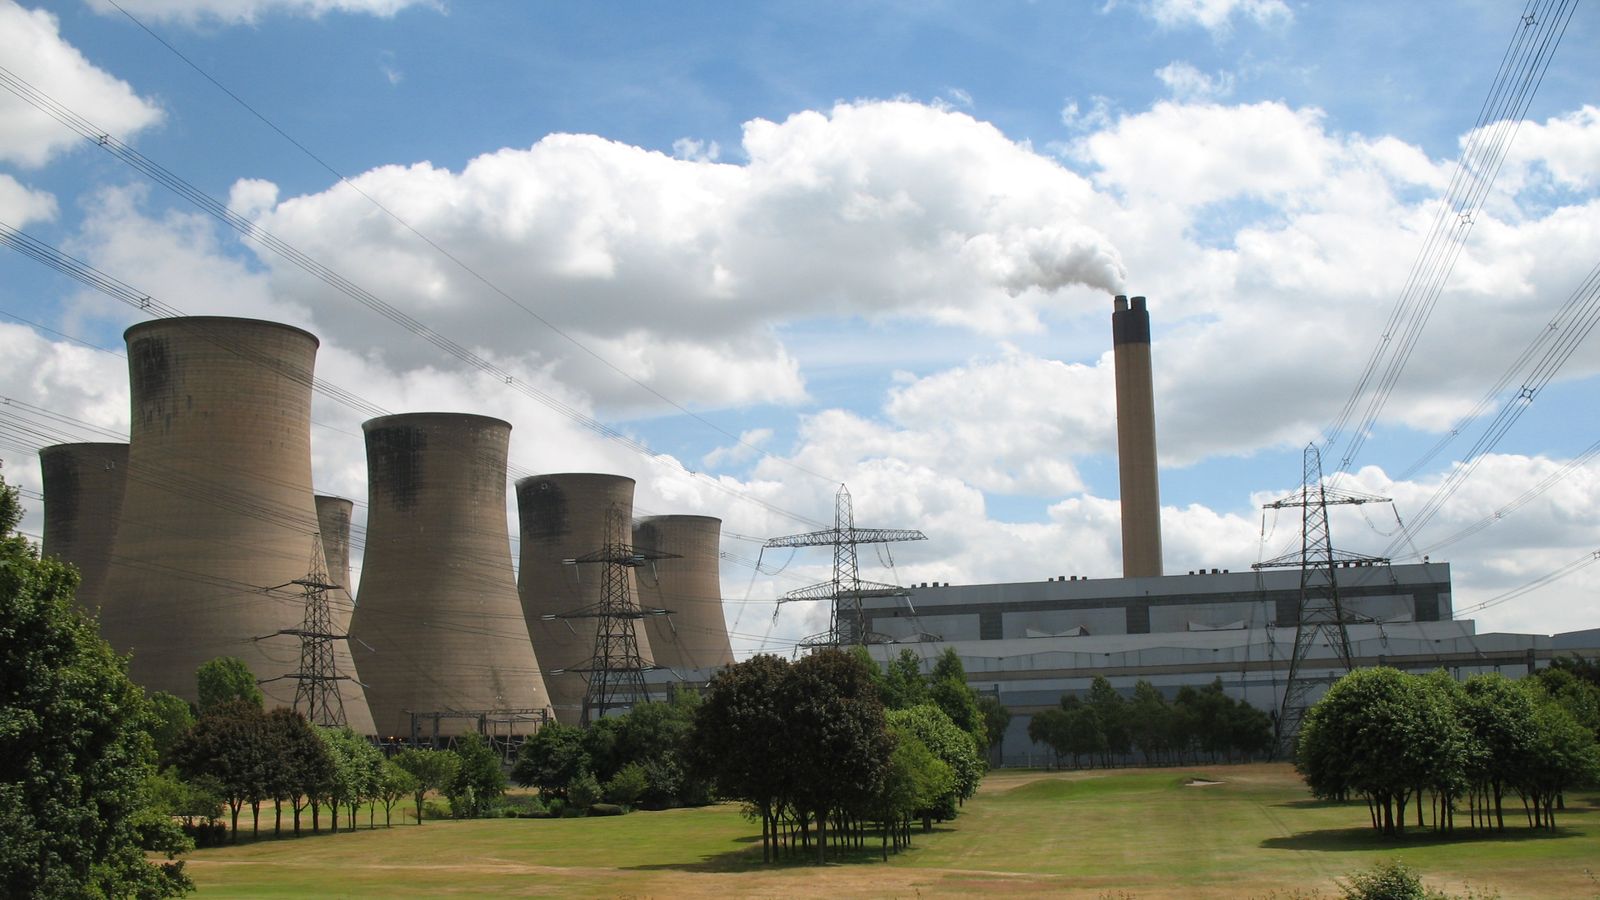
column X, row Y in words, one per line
column 193, row 537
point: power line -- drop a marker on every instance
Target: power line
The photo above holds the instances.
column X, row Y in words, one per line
column 253, row 232
column 457, row 261
column 1533, row 43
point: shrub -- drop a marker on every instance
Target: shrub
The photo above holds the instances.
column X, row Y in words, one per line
column 436, row 809
column 1394, row 880
column 583, row 791
column 606, row 809
column 628, row 785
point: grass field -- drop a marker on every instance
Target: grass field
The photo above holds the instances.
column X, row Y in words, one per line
column 1132, row 833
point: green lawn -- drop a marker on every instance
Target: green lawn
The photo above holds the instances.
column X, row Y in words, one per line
column 1142, row 833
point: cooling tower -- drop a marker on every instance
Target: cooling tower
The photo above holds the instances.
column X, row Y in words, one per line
column 695, row 635
column 437, row 625
column 333, row 520
column 1136, row 440
column 564, row 517
column 217, row 517
column 83, row 485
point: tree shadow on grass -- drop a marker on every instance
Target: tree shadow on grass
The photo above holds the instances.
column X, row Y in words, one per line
column 1367, row 838
column 748, row 858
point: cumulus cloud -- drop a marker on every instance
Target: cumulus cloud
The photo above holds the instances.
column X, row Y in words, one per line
column 678, row 269
column 1188, row 83
column 1216, row 16
column 32, row 46
column 244, row 12
column 20, row 204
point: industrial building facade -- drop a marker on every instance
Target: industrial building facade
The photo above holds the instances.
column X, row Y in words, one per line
column 1029, row 643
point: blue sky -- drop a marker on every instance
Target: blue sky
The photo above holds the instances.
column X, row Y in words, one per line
column 876, row 239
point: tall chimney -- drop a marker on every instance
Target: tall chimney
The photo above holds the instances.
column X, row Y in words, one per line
column 1136, row 440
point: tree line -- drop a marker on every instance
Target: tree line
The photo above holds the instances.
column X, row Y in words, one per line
column 1105, row 728
column 1398, row 740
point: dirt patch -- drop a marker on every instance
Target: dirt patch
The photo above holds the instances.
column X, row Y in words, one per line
column 1201, row 782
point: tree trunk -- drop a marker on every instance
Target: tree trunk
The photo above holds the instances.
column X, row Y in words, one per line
column 277, row 816
column 233, row 832
column 822, row 837
column 255, row 820
column 316, row 815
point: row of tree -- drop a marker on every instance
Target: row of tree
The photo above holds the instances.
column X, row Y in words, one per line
column 1105, row 728
column 1395, row 739
column 235, row 754
column 810, row 746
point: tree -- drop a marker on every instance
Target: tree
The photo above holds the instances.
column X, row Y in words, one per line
column 395, row 783
column 551, row 759
column 74, row 743
column 225, row 679
column 741, row 740
column 1563, row 755
column 1380, row 733
column 432, row 769
column 1499, row 717
column 1111, row 710
column 303, row 768
column 1049, row 727
column 171, row 717
column 836, row 732
column 478, row 780
column 914, row 783
column 229, row 744
column 951, row 745
column 357, row 768
column 948, row 688
column 903, row 684
column 996, row 719
column 1149, row 721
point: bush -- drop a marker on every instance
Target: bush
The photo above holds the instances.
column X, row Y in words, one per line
column 583, row 791
column 606, row 809
column 437, row 809
column 628, row 785
column 1394, row 880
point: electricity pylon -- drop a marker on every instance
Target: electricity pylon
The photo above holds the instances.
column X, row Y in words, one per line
column 847, row 622
column 1321, row 616
column 316, row 691
column 615, row 672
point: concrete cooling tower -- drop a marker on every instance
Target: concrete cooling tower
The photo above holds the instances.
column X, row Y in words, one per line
column 564, row 517
column 218, row 506
column 437, row 625
column 333, row 520
column 695, row 635
column 83, row 485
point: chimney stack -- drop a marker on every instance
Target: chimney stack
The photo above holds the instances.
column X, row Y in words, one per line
column 1136, row 439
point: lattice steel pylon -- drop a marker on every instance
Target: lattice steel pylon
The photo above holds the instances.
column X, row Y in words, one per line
column 316, row 691
column 1320, row 614
column 847, row 620
column 615, row 674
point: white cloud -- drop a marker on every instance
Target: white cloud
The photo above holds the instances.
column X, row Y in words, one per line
column 244, row 12
column 20, row 204
column 746, row 448
column 1216, row 16
column 32, row 46
column 679, row 269
column 1187, row 83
